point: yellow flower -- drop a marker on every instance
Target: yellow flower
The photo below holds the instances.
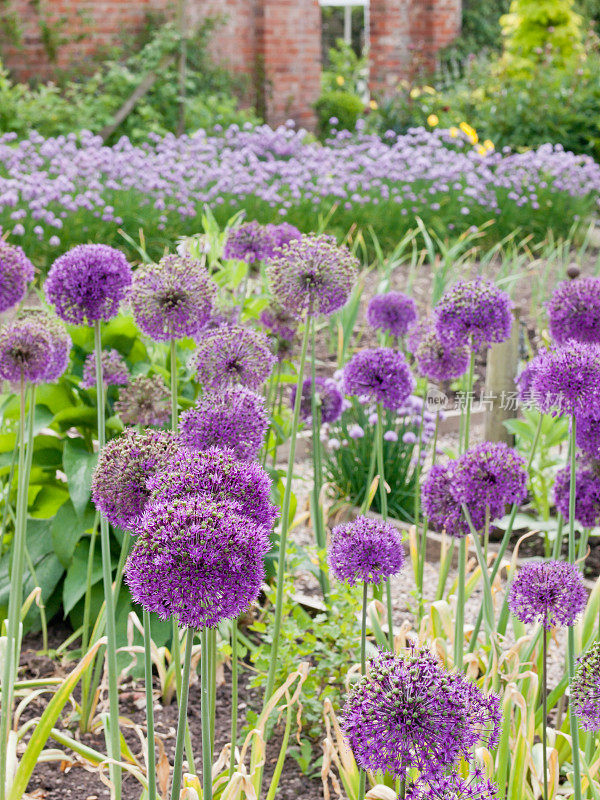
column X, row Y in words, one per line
column 453, row 132
column 489, row 145
column 373, row 105
column 414, row 93
column 404, row 84
column 340, row 80
column 481, row 150
column 432, row 120
column 429, row 89
column 469, row 132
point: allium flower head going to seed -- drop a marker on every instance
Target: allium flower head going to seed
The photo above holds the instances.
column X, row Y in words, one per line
column 585, row 689
column 366, row 550
column 574, row 311
column 172, row 299
column 236, row 418
column 587, row 494
column 443, row 511
column 230, row 356
column 114, row 370
column 283, row 233
column 249, row 242
column 279, row 322
column 218, row 474
column 88, row 283
column 312, row 274
column 329, row 398
column 379, row 374
column 393, row 312
column 35, row 346
column 16, row 271
column 550, row 593
column 567, row 380
column 587, row 435
column 146, row 400
column 409, row 712
column 454, row 787
column 439, row 360
column 474, row 311
column 196, row 559
column 490, row 474
column 124, row 466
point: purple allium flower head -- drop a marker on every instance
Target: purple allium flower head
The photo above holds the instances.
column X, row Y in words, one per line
column 219, row 474
column 173, row 298
column 585, row 689
column 249, row 242
column 366, row 550
column 454, row 787
column 312, row 274
column 279, row 322
column 283, row 234
column 35, row 347
column 490, row 474
column 236, row 418
column 574, row 311
column 444, row 512
column 393, row 312
column 124, row 466
column 88, row 283
column 587, row 435
column 474, row 311
column 114, row 370
column 379, row 374
column 16, row 271
column 548, row 592
column 440, row 360
column 409, row 712
column 524, row 380
column 230, row 356
column 196, row 559
column 146, row 400
column 587, row 494
column 329, row 399
column 567, row 380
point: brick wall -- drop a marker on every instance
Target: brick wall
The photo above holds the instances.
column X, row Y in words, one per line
column 274, row 44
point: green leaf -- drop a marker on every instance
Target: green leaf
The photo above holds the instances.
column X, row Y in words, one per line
column 75, row 580
column 67, row 529
column 79, row 465
column 75, row 417
column 48, row 500
column 47, row 566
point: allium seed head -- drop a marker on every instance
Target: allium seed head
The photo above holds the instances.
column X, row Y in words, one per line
column 393, row 312
column 329, row 399
column 16, row 271
column 146, row 400
column 88, row 283
column 474, row 311
column 114, row 370
column 585, row 689
column 312, row 274
column 236, row 419
column 550, row 593
column 232, row 356
column 366, row 550
column 574, row 311
column 172, row 299
column 381, row 375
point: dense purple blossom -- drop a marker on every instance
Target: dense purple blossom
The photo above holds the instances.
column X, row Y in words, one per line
column 587, row 435
column 236, row 418
column 393, row 312
column 490, row 474
column 574, row 311
column 146, row 400
column 16, row 271
column 279, row 322
column 173, row 298
column 440, row 360
column 249, row 242
column 409, row 712
column 548, row 592
column 585, row 689
column 524, row 380
column 379, row 374
column 196, row 559
column 283, row 233
column 88, row 283
column 114, row 370
column 474, row 311
column 230, row 356
column 124, row 466
column 366, row 550
column 454, row 787
column 328, row 397
column 566, row 380
column 312, row 274
column 220, row 475
column 34, row 347
column 587, row 494
column 443, row 511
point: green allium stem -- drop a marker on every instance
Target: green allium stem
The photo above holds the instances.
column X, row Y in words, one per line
column 151, row 756
column 181, row 723
column 545, row 711
column 571, row 631
column 384, row 514
column 362, row 780
column 234, row 693
column 317, row 511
